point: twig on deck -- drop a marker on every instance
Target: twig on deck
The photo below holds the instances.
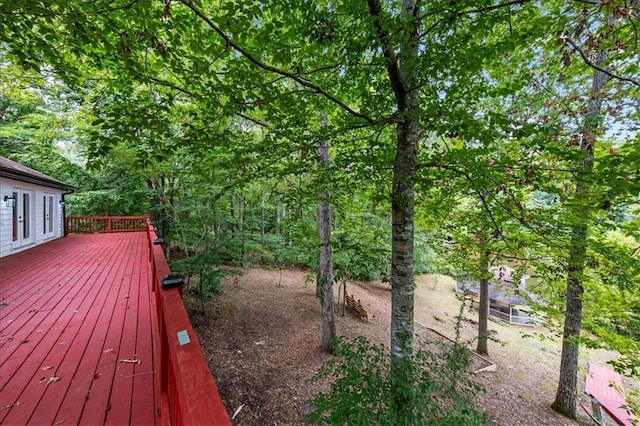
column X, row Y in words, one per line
column 6, row 407
column 139, row 374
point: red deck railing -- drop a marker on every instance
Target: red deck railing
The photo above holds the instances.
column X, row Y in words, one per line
column 185, row 382
column 96, row 224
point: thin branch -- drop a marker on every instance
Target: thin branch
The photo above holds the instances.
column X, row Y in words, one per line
column 497, row 6
column 567, row 108
column 592, row 64
column 226, row 49
column 257, row 62
column 106, row 10
column 192, row 95
column 252, row 119
column 268, row 83
column 635, row 31
column 526, row 224
column 139, row 374
column 481, row 195
column 478, row 10
column 391, row 61
column 49, row 14
column 172, row 86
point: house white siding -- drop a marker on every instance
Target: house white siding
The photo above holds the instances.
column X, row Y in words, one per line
column 41, row 221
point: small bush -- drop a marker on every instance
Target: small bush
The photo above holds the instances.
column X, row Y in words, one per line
column 362, row 392
column 204, row 266
column 229, row 248
column 210, row 279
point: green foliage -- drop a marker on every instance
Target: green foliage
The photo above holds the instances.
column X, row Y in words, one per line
column 205, row 267
column 108, row 202
column 632, row 405
column 362, row 392
column 427, row 253
column 299, row 239
column 210, row 279
column 229, row 247
column 361, row 247
column 288, row 253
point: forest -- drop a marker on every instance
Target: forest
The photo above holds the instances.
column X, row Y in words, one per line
column 361, row 140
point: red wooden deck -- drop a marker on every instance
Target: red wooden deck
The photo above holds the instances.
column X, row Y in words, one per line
column 606, row 386
column 76, row 337
column 88, row 337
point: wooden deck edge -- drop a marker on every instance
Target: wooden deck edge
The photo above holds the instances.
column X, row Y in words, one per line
column 186, row 383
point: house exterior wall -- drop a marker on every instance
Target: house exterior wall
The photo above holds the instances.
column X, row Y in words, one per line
column 43, row 200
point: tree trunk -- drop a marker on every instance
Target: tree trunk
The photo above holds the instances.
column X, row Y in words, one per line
column 324, row 282
column 157, row 216
column 402, row 72
column 402, row 280
column 402, row 205
column 165, row 223
column 232, row 213
column 483, row 306
column 566, row 393
column 262, row 218
column 241, row 228
column 278, row 216
column 565, row 401
column 216, row 219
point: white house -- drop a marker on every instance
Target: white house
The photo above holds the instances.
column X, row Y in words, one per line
column 31, row 207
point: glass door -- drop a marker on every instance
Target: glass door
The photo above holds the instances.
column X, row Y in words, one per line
column 48, row 218
column 23, row 224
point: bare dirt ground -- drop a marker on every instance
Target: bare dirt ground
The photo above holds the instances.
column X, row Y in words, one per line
column 261, row 338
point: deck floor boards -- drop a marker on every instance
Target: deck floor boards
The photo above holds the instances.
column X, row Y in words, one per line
column 72, row 311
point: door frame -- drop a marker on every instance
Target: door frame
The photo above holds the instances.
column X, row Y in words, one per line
column 49, row 215
column 23, row 218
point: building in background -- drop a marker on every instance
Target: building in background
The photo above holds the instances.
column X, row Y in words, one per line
column 31, row 207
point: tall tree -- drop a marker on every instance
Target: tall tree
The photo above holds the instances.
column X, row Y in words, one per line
column 401, row 65
column 325, row 263
column 604, row 28
column 482, row 346
column 565, row 400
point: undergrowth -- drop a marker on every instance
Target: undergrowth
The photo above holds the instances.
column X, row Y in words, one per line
column 362, row 393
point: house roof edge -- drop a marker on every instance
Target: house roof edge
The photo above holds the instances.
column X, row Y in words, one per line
column 13, row 170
